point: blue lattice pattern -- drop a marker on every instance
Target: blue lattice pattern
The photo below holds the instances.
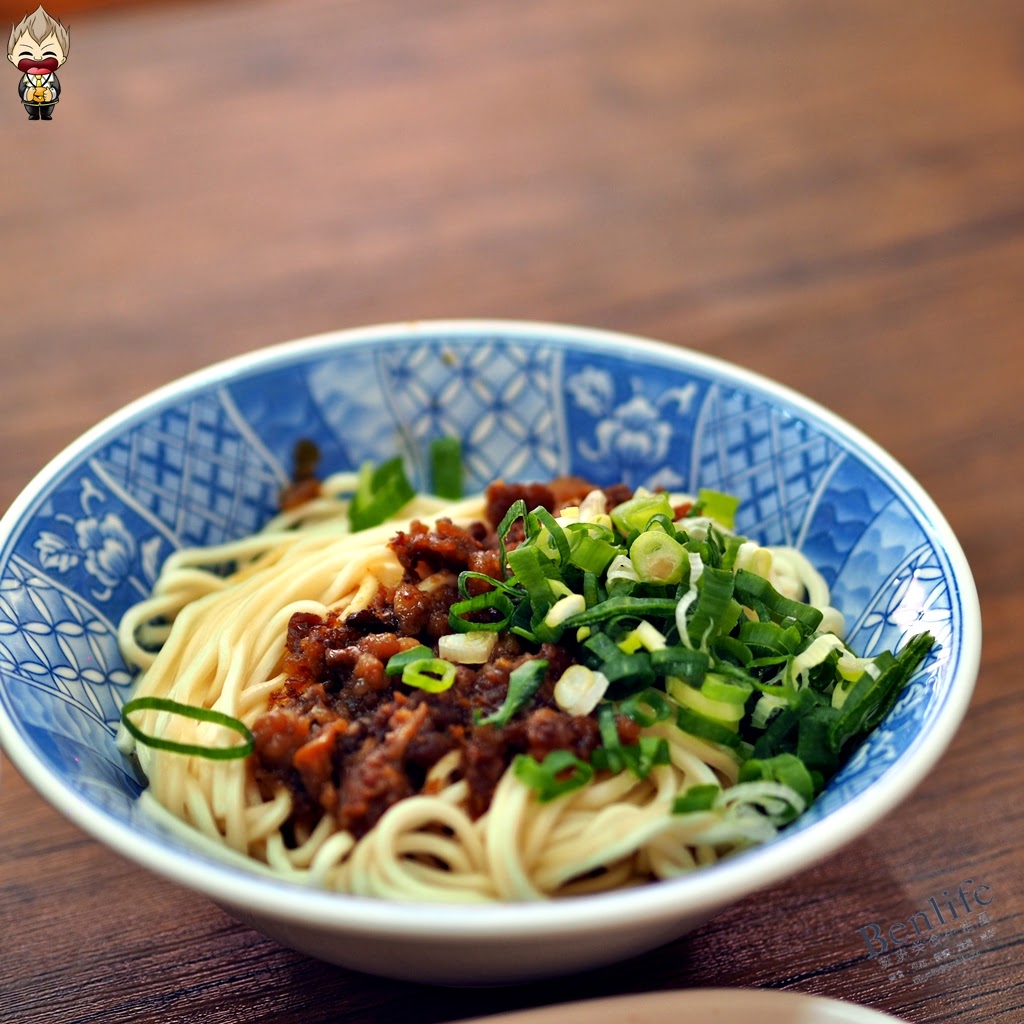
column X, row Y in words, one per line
column 500, row 399
column 772, row 460
column 194, row 470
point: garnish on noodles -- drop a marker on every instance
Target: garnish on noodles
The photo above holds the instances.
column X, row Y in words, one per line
column 544, row 690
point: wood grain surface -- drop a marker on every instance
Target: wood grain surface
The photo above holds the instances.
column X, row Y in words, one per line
column 831, row 193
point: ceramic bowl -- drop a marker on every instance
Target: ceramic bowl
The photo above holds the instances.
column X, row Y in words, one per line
column 201, row 460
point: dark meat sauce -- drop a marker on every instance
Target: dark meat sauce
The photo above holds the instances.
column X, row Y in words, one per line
column 349, row 741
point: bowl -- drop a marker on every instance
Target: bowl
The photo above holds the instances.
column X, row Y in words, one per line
column 697, row 1006
column 202, row 460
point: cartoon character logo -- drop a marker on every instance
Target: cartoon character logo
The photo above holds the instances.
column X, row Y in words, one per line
column 38, row 46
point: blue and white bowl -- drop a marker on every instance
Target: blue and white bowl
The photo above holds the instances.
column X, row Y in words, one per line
column 202, row 460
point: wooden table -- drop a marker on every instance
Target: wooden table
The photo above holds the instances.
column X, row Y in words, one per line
column 831, row 193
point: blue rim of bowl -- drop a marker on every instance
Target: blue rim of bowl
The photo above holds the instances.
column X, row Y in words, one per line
column 702, row 892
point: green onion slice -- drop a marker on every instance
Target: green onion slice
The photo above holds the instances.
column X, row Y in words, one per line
column 762, row 598
column 495, row 599
column 616, row 665
column 380, row 492
column 546, row 520
column 397, row 662
column 591, row 545
column 187, row 711
column 559, row 773
column 608, row 757
column 639, row 758
column 871, row 699
column 768, row 638
column 714, row 607
column 658, row 558
column 730, row 690
column 639, row 510
column 718, row 506
column 643, row 756
column 523, row 683
column 534, row 572
column 684, row 662
column 814, row 743
column 647, row 707
column 517, row 510
column 622, row 606
column 705, row 727
column 468, row 574
column 787, row 769
column 435, row 675
column 446, row 467
column 700, row 797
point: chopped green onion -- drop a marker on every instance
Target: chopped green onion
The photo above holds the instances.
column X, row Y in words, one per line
column 592, row 589
column 380, row 492
column 608, row 757
column 602, row 646
column 468, row 574
column 551, row 529
column 523, row 683
column 435, row 675
column 588, row 551
column 768, row 638
column 620, row 572
column 559, row 773
column 779, row 734
column 564, row 608
column 637, row 512
column 658, row 558
column 187, row 711
column 579, row 689
column 646, row 707
column 763, row 599
column 624, row 606
column 767, row 707
column 714, row 610
column 650, row 638
column 699, row 797
column 617, row 666
column 813, row 741
column 534, row 572
column 660, row 521
column 473, row 648
column 641, row 757
column 871, row 699
column 762, row 801
column 684, row 662
column 703, row 727
column 786, row 769
column 730, row 551
column 670, row 626
column 718, row 506
column 492, row 599
column 446, row 467
column 397, row 662
column 730, row 651
column 725, row 713
column 517, row 510
column 719, row 687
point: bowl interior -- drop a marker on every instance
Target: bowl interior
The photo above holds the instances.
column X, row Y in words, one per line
column 202, row 460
